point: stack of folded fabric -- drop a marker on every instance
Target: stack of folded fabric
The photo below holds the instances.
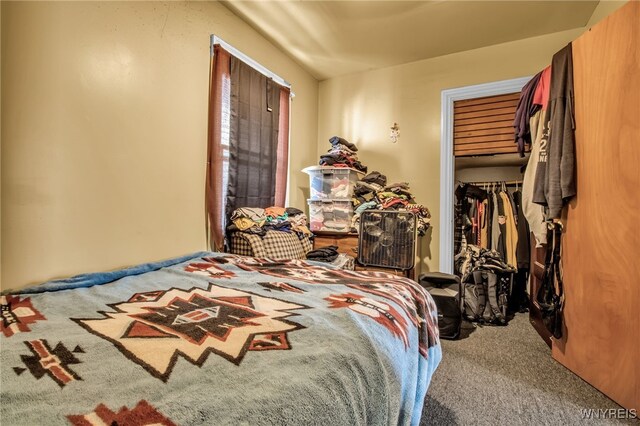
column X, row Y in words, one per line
column 372, row 192
column 258, row 221
column 330, row 218
column 342, row 154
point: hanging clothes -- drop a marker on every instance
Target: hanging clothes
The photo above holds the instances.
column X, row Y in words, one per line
column 467, row 215
column 495, row 224
column 525, row 109
column 511, row 230
column 523, row 249
column 534, row 213
column 555, row 175
column 487, row 219
column 484, row 225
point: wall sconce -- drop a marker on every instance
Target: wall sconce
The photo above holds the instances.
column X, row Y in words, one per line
column 395, row 133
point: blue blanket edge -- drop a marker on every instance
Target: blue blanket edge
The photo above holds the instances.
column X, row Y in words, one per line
column 99, row 278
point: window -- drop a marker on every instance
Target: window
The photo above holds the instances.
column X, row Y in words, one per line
column 248, row 138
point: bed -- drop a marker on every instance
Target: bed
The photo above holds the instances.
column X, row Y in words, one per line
column 214, row 338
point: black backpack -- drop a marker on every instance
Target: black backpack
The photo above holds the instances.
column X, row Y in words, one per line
column 486, row 298
column 550, row 296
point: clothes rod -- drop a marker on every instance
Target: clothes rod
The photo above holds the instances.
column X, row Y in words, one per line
column 496, row 182
column 247, row 60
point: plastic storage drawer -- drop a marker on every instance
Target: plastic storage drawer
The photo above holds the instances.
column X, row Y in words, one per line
column 331, row 182
column 330, row 215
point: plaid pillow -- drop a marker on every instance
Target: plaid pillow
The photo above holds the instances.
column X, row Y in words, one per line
column 283, row 245
column 246, row 244
column 276, row 245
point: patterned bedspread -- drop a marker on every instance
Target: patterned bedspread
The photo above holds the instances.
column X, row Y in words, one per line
column 215, row 338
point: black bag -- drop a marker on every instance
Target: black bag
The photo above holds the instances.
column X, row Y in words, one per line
column 486, row 298
column 550, row 295
column 446, row 291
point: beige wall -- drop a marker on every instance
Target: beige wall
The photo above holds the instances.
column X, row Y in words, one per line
column 362, row 107
column 104, row 107
column 488, row 174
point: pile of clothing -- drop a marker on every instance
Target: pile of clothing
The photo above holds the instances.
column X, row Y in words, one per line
column 258, row 221
column 474, row 258
column 342, row 154
column 372, row 192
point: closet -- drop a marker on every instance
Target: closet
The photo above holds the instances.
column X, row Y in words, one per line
column 488, row 176
column 600, row 339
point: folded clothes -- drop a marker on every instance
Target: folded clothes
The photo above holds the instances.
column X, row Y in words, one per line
column 403, row 185
column 257, row 230
column 254, row 213
column 275, row 211
column 394, row 202
column 290, row 219
column 278, row 226
column 375, row 177
column 244, row 223
column 364, row 187
column 366, row 206
column 345, row 149
column 324, row 254
column 292, row 211
column 336, row 140
column 387, row 196
column 337, row 159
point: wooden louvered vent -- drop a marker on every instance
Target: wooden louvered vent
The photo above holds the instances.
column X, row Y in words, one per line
column 484, row 126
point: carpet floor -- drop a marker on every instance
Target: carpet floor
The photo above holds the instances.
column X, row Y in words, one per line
column 506, row 376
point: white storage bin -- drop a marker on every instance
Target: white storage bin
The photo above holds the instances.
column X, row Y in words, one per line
column 331, row 182
column 330, row 215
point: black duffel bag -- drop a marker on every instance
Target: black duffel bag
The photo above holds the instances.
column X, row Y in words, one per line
column 446, row 291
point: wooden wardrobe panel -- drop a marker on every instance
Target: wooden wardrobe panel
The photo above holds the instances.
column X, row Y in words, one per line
column 601, row 260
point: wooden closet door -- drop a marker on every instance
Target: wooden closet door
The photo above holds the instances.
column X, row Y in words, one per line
column 601, row 256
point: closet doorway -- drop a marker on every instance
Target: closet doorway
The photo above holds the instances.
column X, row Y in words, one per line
column 475, row 164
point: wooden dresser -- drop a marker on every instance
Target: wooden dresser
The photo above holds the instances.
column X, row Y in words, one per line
column 348, row 244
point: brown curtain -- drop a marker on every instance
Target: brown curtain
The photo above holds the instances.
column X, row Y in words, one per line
column 283, row 149
column 220, row 87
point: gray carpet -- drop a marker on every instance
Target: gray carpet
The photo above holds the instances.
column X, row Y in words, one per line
column 505, row 375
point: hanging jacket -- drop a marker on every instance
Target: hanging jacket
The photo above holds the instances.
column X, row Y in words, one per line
column 511, row 231
column 555, row 184
column 524, row 110
column 523, row 251
column 534, row 213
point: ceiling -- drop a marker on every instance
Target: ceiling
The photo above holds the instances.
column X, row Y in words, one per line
column 331, row 38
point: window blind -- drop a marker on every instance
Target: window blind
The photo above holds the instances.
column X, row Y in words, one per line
column 484, row 126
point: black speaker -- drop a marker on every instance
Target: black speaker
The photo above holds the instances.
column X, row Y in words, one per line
column 446, row 291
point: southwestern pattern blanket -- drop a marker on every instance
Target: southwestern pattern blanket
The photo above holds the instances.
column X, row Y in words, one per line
column 215, row 338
